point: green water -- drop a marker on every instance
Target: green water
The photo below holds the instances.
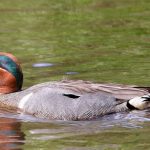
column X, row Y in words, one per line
column 96, row 40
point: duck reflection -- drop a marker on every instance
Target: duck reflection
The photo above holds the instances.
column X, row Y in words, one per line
column 11, row 136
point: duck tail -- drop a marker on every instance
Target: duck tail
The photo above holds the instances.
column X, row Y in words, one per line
column 144, row 88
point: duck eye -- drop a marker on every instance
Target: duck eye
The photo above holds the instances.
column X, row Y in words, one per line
column 71, row 96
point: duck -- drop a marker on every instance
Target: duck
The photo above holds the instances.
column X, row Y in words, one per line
column 67, row 99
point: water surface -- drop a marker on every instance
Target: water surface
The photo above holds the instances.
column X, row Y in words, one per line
column 96, row 40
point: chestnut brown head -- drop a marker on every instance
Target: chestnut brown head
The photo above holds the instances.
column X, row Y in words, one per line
column 11, row 76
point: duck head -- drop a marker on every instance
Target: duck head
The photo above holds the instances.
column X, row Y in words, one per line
column 11, row 76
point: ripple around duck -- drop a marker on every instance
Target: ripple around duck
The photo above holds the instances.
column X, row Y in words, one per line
column 132, row 119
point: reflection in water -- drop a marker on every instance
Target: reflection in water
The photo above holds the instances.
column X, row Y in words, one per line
column 109, row 132
column 73, row 134
column 40, row 65
column 10, row 134
column 71, row 73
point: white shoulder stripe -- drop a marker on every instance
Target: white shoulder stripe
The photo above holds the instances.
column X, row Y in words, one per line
column 24, row 100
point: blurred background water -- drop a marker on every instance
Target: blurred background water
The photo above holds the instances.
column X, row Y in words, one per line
column 96, row 40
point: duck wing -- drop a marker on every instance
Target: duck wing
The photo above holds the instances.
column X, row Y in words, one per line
column 80, row 87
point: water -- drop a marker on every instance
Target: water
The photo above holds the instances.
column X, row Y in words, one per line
column 116, row 131
column 96, row 40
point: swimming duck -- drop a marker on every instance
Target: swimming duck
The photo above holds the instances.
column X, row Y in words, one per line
column 65, row 100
